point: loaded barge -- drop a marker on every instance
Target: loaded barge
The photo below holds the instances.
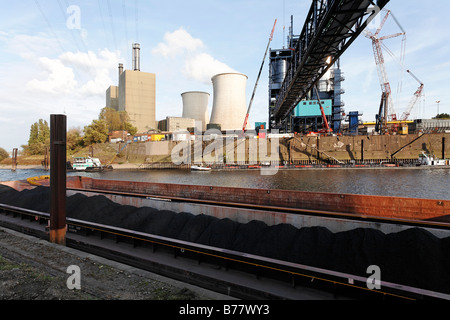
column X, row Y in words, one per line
column 279, row 206
column 263, row 224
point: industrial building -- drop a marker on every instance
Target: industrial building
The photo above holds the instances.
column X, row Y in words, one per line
column 135, row 94
column 174, row 124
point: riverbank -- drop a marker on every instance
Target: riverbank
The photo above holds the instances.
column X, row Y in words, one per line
column 122, row 166
column 138, row 166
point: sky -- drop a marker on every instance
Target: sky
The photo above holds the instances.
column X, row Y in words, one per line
column 60, row 56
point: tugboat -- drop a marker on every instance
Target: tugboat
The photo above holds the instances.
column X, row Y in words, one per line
column 87, row 164
column 427, row 160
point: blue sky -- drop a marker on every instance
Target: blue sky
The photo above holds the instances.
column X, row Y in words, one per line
column 59, row 56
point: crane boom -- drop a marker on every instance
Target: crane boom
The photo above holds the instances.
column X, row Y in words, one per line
column 327, row 128
column 257, row 79
column 414, row 99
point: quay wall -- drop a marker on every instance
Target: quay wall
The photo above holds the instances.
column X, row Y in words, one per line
column 303, row 149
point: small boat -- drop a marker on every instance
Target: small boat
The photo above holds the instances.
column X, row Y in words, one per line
column 87, row 164
column 200, row 168
column 428, row 160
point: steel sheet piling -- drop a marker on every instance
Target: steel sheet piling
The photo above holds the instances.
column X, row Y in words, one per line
column 58, row 125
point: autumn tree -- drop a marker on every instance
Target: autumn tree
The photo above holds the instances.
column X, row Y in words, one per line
column 74, row 139
column 3, row 154
column 117, row 120
column 96, row 132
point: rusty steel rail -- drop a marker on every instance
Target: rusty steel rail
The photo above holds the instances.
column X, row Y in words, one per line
column 297, row 273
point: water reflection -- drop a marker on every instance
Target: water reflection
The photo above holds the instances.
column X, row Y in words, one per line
column 416, row 183
column 432, row 183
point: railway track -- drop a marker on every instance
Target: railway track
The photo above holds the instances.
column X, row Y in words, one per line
column 236, row 274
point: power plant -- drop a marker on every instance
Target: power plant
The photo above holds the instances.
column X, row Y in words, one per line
column 304, row 90
column 135, row 94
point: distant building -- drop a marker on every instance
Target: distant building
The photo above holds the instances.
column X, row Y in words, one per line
column 118, row 136
column 135, row 94
column 174, row 124
column 112, row 97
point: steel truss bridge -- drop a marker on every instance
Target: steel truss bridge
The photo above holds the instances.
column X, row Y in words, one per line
column 330, row 28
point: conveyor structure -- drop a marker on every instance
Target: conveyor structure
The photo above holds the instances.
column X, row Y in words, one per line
column 330, row 28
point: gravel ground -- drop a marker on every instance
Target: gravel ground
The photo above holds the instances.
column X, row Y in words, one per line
column 34, row 269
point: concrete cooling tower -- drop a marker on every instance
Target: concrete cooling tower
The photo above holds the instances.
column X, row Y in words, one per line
column 195, row 106
column 229, row 103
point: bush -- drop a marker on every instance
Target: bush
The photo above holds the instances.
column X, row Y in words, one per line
column 3, row 154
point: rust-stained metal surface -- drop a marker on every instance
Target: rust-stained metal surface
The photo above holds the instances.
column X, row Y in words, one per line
column 352, row 204
column 365, row 205
column 58, row 124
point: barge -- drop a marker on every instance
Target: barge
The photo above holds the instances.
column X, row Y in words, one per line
column 252, row 200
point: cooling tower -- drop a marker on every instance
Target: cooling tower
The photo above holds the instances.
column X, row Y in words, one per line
column 195, row 106
column 229, row 103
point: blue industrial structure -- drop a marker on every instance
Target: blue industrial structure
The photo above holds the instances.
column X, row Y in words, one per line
column 353, row 122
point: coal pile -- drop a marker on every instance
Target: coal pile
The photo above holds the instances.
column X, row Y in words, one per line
column 413, row 257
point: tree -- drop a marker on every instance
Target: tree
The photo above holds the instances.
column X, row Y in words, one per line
column 442, row 116
column 74, row 139
column 96, row 132
column 117, row 120
column 39, row 138
column 3, row 154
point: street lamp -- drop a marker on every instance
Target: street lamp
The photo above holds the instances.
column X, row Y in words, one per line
column 438, row 101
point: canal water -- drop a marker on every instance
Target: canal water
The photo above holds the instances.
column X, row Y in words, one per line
column 427, row 183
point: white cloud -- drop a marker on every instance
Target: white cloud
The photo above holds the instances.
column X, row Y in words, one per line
column 176, row 43
column 60, row 79
column 78, row 73
column 202, row 67
column 197, row 64
column 40, row 79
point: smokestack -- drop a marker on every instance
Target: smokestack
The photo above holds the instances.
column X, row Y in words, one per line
column 136, row 57
column 120, row 69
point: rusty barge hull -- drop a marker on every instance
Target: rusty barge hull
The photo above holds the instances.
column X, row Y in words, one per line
column 345, row 204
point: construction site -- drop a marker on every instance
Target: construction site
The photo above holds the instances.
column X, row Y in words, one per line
column 306, row 112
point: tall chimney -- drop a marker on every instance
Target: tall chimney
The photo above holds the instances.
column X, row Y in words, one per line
column 136, row 57
column 120, row 69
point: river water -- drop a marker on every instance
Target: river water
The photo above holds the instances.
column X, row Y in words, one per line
column 427, row 183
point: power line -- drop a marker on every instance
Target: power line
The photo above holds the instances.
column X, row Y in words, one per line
column 81, row 37
column 126, row 25
column 49, row 25
column 103, row 22
column 136, row 15
column 112, row 24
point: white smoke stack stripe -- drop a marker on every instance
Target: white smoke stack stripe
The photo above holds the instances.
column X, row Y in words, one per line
column 195, row 106
column 229, row 103
column 136, row 57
